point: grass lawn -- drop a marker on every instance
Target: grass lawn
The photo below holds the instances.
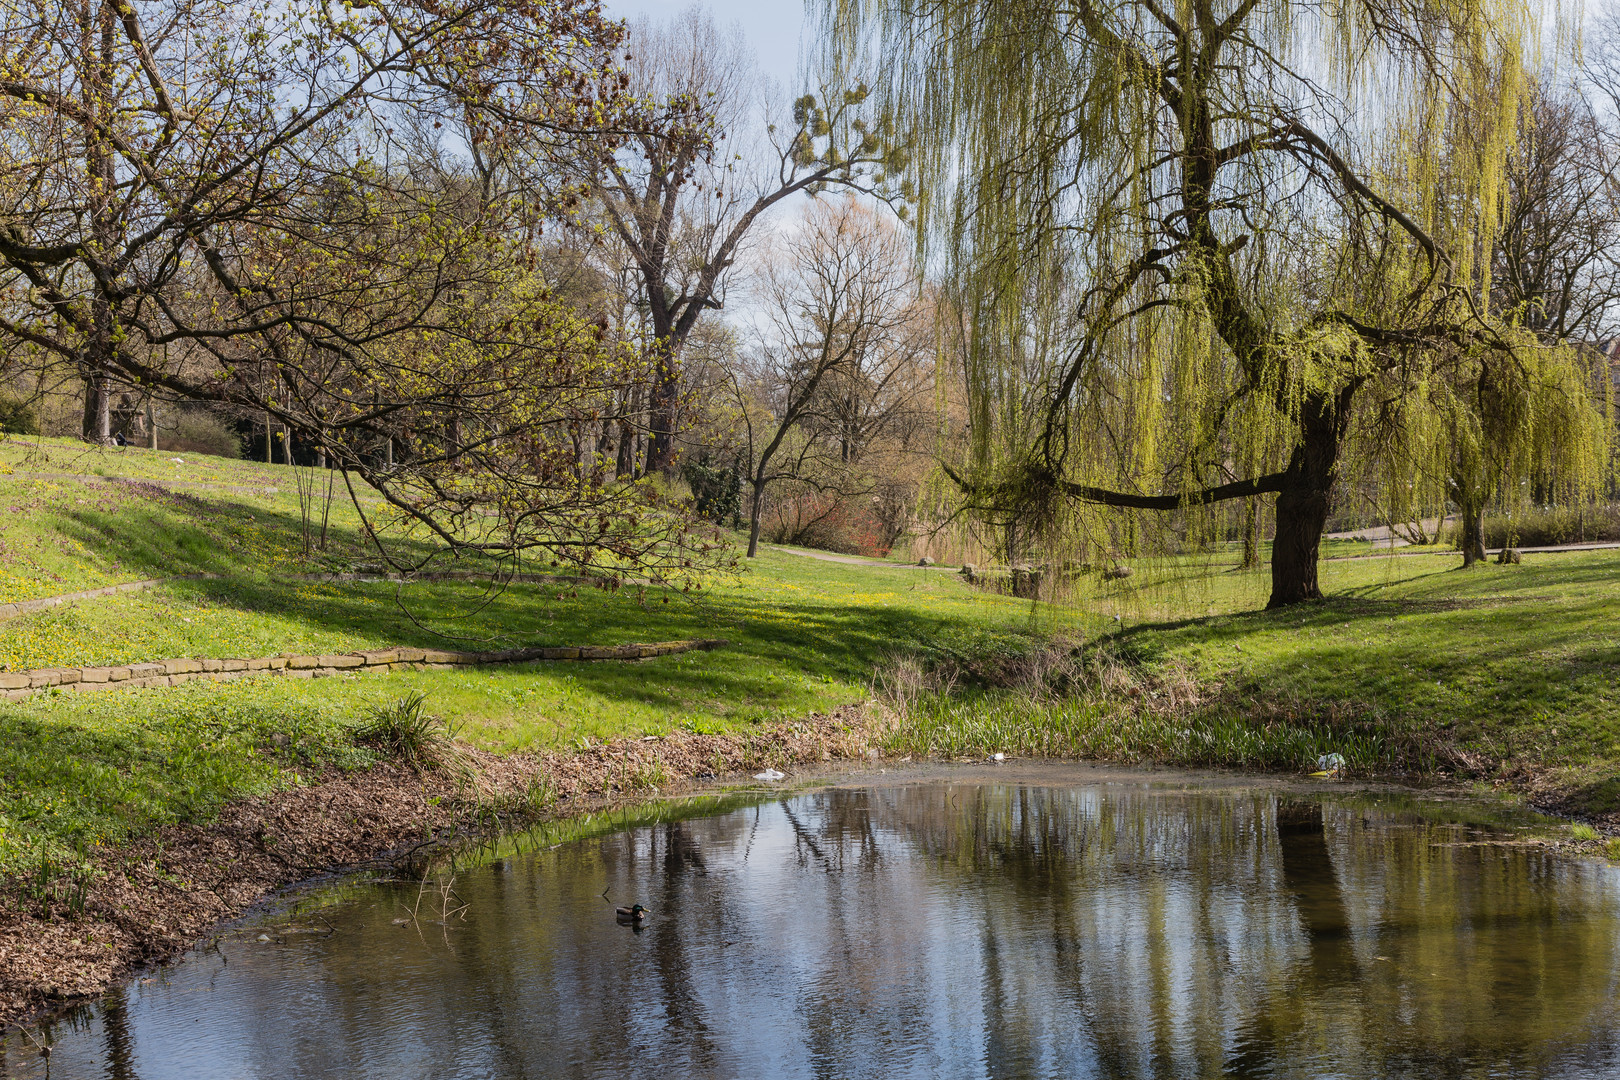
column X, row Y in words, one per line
column 1514, row 665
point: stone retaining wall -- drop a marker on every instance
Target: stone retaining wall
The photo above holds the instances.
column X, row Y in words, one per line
column 16, row 685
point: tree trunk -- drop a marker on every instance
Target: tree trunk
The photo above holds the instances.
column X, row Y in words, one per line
column 755, row 509
column 151, row 425
column 1301, row 515
column 661, row 425
column 97, row 410
column 1251, row 533
column 1302, row 508
column 1471, row 516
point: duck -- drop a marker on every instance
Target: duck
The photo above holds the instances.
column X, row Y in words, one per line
column 633, row 914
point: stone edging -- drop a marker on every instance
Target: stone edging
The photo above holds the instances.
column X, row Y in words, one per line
column 24, row 607
column 16, row 685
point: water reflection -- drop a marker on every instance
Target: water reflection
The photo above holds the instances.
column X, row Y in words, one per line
column 968, row 930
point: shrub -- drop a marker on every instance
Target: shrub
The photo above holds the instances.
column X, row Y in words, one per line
column 197, row 431
column 821, row 521
column 1551, row 526
column 716, row 491
column 18, row 416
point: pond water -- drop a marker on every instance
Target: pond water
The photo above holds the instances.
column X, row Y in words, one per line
column 1066, row 925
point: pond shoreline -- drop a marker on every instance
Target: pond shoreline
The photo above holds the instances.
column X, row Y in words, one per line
column 156, row 897
column 65, row 943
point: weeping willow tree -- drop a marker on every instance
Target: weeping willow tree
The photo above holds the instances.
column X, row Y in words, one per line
column 1234, row 212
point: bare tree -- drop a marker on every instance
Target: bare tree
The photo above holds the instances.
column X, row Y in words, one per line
column 837, row 294
column 682, row 192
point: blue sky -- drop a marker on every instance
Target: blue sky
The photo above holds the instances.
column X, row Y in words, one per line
column 771, row 26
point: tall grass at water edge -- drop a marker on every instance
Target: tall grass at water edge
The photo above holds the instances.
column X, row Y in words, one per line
column 982, row 724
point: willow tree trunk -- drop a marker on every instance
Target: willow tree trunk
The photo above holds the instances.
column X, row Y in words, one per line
column 1302, row 506
column 1471, row 516
column 1251, row 532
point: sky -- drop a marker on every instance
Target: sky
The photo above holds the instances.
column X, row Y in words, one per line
column 772, row 27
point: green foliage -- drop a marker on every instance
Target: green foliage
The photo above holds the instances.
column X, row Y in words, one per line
column 1187, row 244
column 716, row 490
column 196, row 431
column 1554, row 525
column 18, row 416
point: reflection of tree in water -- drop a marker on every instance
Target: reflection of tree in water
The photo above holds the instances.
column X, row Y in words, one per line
column 999, row 930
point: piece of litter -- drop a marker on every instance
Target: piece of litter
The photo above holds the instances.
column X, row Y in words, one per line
column 182, row 461
column 770, row 775
column 1330, row 762
column 649, row 738
column 998, row 756
column 264, row 937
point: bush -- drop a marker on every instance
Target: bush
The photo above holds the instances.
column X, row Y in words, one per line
column 18, row 416
column 820, row 521
column 197, row 431
column 716, row 491
column 1551, row 526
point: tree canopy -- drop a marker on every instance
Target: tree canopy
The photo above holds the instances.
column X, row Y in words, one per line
column 1211, row 249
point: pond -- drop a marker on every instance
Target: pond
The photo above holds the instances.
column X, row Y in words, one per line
column 1048, row 923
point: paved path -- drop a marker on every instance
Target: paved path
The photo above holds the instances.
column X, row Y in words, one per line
column 853, row 560
column 856, row 560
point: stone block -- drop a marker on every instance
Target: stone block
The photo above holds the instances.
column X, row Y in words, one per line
column 411, row 656
column 377, row 657
column 145, row 671
column 181, row 666
column 348, row 660
column 15, row 680
column 93, row 675
column 567, row 652
column 210, row 664
column 45, row 677
column 118, row 674
column 233, row 665
column 299, row 673
column 302, row 663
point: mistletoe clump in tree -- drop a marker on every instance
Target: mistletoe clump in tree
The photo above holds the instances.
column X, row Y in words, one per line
column 1207, row 251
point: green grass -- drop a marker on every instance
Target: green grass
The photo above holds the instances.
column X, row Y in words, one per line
column 1515, row 666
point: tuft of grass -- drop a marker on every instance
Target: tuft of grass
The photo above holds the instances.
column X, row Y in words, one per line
column 403, row 729
column 1583, row 833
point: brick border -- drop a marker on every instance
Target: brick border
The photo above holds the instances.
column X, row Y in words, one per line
column 17, row 685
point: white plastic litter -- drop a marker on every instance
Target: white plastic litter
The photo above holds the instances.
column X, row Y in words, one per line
column 1330, row 763
column 770, row 775
column 998, row 756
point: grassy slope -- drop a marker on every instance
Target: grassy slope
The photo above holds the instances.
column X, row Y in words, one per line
column 77, row 769
column 1517, row 663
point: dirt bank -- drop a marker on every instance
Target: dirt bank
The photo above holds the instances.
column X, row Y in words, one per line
column 65, row 941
